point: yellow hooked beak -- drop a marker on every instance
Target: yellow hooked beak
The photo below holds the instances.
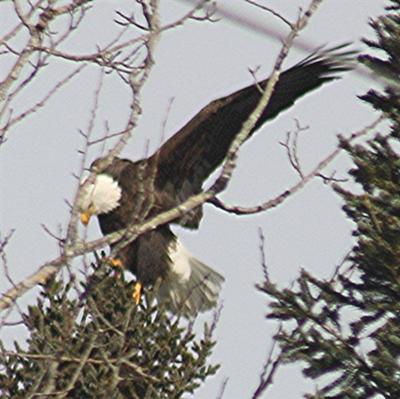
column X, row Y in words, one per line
column 85, row 216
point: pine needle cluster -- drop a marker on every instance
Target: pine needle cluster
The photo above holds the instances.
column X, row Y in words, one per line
column 100, row 344
column 346, row 331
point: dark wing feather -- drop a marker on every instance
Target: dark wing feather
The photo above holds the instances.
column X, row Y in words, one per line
column 192, row 154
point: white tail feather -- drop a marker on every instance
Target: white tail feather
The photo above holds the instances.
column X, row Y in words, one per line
column 191, row 286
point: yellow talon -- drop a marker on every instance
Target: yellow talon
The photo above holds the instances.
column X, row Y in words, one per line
column 137, row 292
column 114, row 262
column 117, row 263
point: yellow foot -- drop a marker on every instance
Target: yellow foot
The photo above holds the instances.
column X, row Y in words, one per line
column 137, row 292
column 115, row 262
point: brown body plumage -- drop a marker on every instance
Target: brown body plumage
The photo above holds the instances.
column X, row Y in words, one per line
column 179, row 168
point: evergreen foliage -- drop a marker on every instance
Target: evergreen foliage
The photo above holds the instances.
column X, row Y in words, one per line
column 346, row 331
column 99, row 344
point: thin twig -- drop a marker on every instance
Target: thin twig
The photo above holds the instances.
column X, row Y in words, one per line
column 271, row 11
column 272, row 203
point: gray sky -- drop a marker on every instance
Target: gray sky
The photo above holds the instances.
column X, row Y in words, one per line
column 195, row 64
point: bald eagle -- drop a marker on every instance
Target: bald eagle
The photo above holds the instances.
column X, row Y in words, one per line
column 127, row 192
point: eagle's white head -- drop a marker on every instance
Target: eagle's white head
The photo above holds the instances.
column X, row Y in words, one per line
column 99, row 197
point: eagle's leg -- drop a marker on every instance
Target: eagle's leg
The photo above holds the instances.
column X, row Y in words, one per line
column 115, row 263
column 137, row 292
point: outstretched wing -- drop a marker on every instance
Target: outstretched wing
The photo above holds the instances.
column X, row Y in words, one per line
column 196, row 150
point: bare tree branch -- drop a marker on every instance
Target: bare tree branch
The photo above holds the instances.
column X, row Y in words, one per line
column 272, row 203
column 269, row 370
column 230, row 162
